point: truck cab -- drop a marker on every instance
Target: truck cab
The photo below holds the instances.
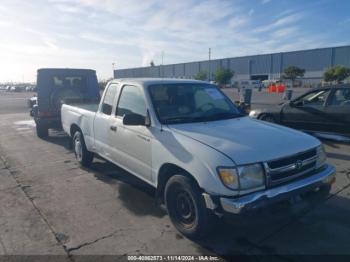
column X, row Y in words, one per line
column 56, row 86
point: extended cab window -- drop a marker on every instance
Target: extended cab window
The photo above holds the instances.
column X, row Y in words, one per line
column 131, row 101
column 108, row 100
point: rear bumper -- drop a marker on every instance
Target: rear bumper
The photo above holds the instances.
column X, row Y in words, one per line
column 263, row 198
column 50, row 122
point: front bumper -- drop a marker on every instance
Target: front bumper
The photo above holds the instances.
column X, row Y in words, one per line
column 266, row 197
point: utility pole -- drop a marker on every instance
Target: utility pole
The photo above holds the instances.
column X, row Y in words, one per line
column 209, row 74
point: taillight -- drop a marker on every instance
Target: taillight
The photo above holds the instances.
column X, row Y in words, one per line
column 44, row 114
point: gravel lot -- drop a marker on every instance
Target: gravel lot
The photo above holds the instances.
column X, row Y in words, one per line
column 49, row 205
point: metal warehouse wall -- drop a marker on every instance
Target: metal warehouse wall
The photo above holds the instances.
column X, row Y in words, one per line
column 314, row 61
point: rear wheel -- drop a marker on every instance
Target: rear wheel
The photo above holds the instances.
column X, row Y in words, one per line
column 42, row 131
column 268, row 118
column 186, row 207
column 83, row 156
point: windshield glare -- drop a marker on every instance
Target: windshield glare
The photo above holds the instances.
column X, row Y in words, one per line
column 184, row 103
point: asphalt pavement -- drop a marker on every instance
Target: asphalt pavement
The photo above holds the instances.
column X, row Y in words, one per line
column 50, row 205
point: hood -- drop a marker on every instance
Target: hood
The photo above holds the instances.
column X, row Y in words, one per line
column 246, row 140
column 268, row 107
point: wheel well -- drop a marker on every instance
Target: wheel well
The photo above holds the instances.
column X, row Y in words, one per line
column 165, row 173
column 266, row 114
column 74, row 128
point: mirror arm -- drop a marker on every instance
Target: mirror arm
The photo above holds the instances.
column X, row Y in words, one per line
column 148, row 119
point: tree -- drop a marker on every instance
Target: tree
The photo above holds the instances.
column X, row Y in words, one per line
column 102, row 83
column 336, row 74
column 292, row 73
column 201, row 75
column 152, row 63
column 223, row 76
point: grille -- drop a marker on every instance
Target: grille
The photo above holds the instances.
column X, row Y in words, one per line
column 292, row 159
column 292, row 167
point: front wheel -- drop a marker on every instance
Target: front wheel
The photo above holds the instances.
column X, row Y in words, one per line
column 268, row 118
column 186, row 207
column 83, row 156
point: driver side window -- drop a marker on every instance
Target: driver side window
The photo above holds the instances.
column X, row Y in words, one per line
column 317, row 98
column 341, row 97
column 131, row 101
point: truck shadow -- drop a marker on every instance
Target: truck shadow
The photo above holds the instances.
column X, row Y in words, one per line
column 136, row 195
column 59, row 138
column 232, row 235
column 309, row 226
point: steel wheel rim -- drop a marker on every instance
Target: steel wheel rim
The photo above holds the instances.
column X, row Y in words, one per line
column 185, row 209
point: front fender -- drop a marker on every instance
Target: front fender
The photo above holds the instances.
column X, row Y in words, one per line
column 195, row 157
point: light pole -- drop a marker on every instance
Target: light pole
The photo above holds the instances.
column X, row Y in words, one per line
column 209, row 74
column 113, row 68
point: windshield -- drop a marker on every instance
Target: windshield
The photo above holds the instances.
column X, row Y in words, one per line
column 185, row 103
column 73, row 82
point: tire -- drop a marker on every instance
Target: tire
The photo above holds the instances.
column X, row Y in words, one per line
column 42, row 131
column 83, row 156
column 268, row 118
column 186, row 207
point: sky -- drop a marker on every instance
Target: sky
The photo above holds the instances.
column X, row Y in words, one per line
column 132, row 33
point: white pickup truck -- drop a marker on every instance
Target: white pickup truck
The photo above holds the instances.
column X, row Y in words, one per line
column 188, row 140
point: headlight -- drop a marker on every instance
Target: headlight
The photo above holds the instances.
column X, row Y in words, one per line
column 253, row 113
column 251, row 176
column 321, row 156
column 229, row 177
column 243, row 177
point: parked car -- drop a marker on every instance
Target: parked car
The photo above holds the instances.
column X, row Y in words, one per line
column 29, row 88
column 31, row 102
column 54, row 86
column 189, row 141
column 324, row 109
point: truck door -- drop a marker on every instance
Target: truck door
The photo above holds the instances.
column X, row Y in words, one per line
column 102, row 121
column 132, row 144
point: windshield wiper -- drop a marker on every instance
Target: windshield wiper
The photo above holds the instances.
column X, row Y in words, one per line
column 222, row 116
column 179, row 119
column 186, row 119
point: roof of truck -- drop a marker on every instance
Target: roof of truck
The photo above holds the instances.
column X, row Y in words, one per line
column 152, row 81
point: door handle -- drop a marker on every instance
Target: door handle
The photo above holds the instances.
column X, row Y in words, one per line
column 113, row 128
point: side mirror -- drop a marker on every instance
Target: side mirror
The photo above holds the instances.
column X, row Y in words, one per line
column 135, row 120
column 296, row 103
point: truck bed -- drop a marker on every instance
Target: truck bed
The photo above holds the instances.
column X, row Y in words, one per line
column 86, row 106
column 80, row 115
